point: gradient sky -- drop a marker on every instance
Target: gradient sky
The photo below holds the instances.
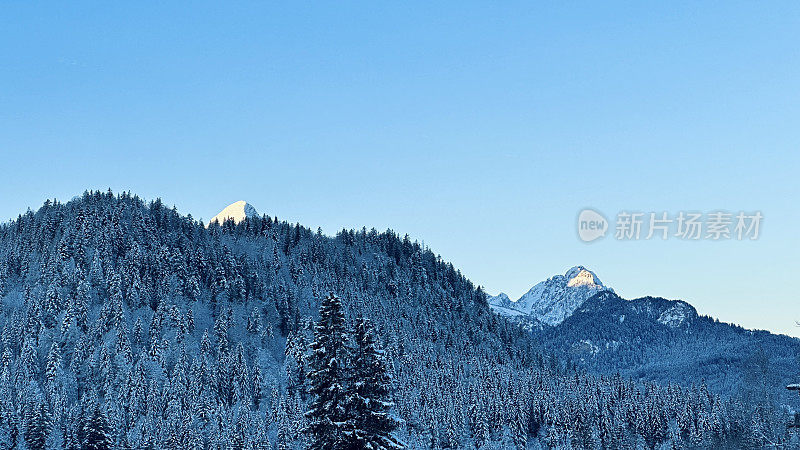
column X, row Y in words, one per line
column 480, row 128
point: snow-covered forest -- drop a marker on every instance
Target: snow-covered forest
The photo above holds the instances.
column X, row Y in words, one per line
column 127, row 325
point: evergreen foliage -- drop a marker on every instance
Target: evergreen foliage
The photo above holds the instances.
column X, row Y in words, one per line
column 126, row 325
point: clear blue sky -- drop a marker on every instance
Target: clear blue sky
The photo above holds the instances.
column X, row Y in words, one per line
column 480, row 128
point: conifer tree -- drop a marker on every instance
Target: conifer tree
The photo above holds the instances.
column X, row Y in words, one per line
column 53, row 363
column 328, row 414
column 37, row 423
column 369, row 395
column 97, row 430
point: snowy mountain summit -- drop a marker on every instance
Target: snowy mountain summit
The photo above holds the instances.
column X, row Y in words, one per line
column 553, row 300
column 237, row 211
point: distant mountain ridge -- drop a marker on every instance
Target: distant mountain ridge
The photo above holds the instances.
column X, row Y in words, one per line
column 652, row 338
column 664, row 340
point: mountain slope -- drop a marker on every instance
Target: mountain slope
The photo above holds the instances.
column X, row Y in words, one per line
column 667, row 341
column 134, row 307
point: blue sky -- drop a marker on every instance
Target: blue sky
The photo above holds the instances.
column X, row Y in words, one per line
column 478, row 127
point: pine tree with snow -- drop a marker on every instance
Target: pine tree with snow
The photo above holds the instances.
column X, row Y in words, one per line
column 328, row 412
column 369, row 393
column 123, row 347
column 519, row 431
column 189, row 321
column 53, row 366
column 257, row 383
column 283, row 437
column 96, row 429
column 116, row 314
column 138, row 332
column 81, row 305
column 221, row 332
column 37, row 422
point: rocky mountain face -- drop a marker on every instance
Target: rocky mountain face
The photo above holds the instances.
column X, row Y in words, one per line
column 553, row 300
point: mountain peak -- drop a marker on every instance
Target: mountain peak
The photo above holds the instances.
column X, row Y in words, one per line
column 555, row 299
column 501, row 297
column 237, row 211
column 581, row 276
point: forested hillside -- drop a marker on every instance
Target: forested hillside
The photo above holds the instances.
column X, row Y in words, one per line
column 127, row 325
column 667, row 341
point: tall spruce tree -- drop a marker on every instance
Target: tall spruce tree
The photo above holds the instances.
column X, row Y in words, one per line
column 96, row 429
column 328, row 413
column 37, row 422
column 370, row 400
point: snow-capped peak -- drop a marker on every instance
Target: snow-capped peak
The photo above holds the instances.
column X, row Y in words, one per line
column 580, row 276
column 553, row 300
column 237, row 211
column 499, row 298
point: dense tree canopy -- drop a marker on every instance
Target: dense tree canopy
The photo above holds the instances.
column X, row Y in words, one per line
column 125, row 324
